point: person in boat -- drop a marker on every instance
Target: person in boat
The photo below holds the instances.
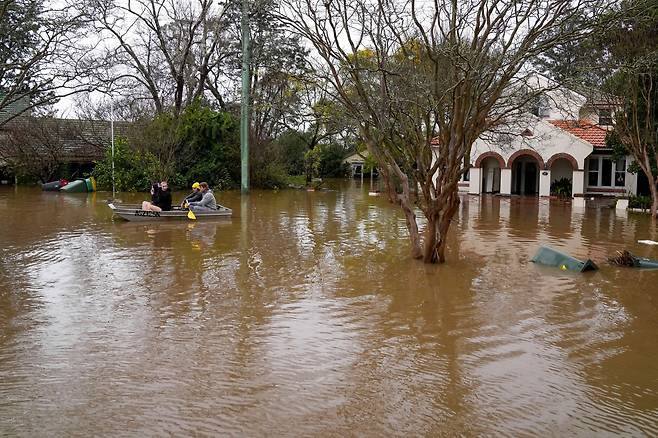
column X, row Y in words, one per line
column 160, row 198
column 195, row 196
column 207, row 202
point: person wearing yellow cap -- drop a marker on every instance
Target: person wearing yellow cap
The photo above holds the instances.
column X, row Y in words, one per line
column 195, row 196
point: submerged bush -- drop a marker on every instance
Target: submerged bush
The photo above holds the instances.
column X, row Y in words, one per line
column 561, row 187
column 643, row 202
column 198, row 145
column 133, row 170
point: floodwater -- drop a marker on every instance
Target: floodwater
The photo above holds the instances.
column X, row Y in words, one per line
column 303, row 315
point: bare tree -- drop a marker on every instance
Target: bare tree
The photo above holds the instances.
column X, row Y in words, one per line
column 42, row 57
column 278, row 69
column 409, row 72
column 163, row 51
column 37, row 147
column 317, row 118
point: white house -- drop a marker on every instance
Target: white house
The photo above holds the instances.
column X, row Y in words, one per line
column 357, row 165
column 563, row 138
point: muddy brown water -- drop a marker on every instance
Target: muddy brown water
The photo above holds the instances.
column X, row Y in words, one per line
column 304, row 316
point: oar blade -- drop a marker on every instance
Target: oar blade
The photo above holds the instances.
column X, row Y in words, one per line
column 191, row 215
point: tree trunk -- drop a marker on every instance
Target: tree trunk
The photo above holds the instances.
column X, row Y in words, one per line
column 404, row 201
column 438, row 227
column 654, row 197
column 444, row 225
column 412, row 226
column 430, row 247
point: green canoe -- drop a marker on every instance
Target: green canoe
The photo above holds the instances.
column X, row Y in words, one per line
column 551, row 257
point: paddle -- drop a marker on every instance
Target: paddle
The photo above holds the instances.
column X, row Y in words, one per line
column 190, row 213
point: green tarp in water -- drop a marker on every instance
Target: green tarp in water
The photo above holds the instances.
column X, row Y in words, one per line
column 550, row 257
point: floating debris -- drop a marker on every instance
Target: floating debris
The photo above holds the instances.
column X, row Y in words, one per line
column 623, row 258
column 626, row 258
column 551, row 257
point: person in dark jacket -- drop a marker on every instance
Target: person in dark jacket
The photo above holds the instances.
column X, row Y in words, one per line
column 160, row 198
column 195, row 196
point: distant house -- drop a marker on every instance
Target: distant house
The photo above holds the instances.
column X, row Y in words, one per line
column 564, row 137
column 76, row 141
column 356, row 163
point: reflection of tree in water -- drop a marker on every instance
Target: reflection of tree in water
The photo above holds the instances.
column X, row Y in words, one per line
column 411, row 368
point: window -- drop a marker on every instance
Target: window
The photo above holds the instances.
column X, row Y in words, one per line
column 605, row 116
column 541, row 107
column 467, row 175
column 606, row 172
column 593, row 172
column 620, row 173
column 603, row 172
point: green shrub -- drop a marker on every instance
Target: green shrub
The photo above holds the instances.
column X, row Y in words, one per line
column 326, row 161
column 289, row 149
column 643, row 202
column 209, row 147
column 133, row 170
column 271, row 176
column 561, row 187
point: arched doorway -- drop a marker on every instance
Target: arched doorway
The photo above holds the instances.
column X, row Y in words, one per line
column 562, row 167
column 490, row 175
column 490, row 165
column 526, row 166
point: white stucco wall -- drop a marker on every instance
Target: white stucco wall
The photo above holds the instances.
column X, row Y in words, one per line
column 490, row 175
column 547, row 140
column 564, row 104
column 631, row 178
column 561, row 169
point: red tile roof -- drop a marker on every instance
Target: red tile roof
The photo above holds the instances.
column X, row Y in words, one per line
column 591, row 133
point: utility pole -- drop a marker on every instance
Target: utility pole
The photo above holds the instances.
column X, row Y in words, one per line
column 244, row 106
column 112, row 135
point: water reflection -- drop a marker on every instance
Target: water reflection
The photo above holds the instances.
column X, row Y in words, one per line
column 303, row 315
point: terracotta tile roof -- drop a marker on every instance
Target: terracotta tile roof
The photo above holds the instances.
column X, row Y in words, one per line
column 591, row 133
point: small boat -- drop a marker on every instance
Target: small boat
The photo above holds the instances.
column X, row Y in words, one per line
column 551, row 257
column 81, row 185
column 134, row 212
